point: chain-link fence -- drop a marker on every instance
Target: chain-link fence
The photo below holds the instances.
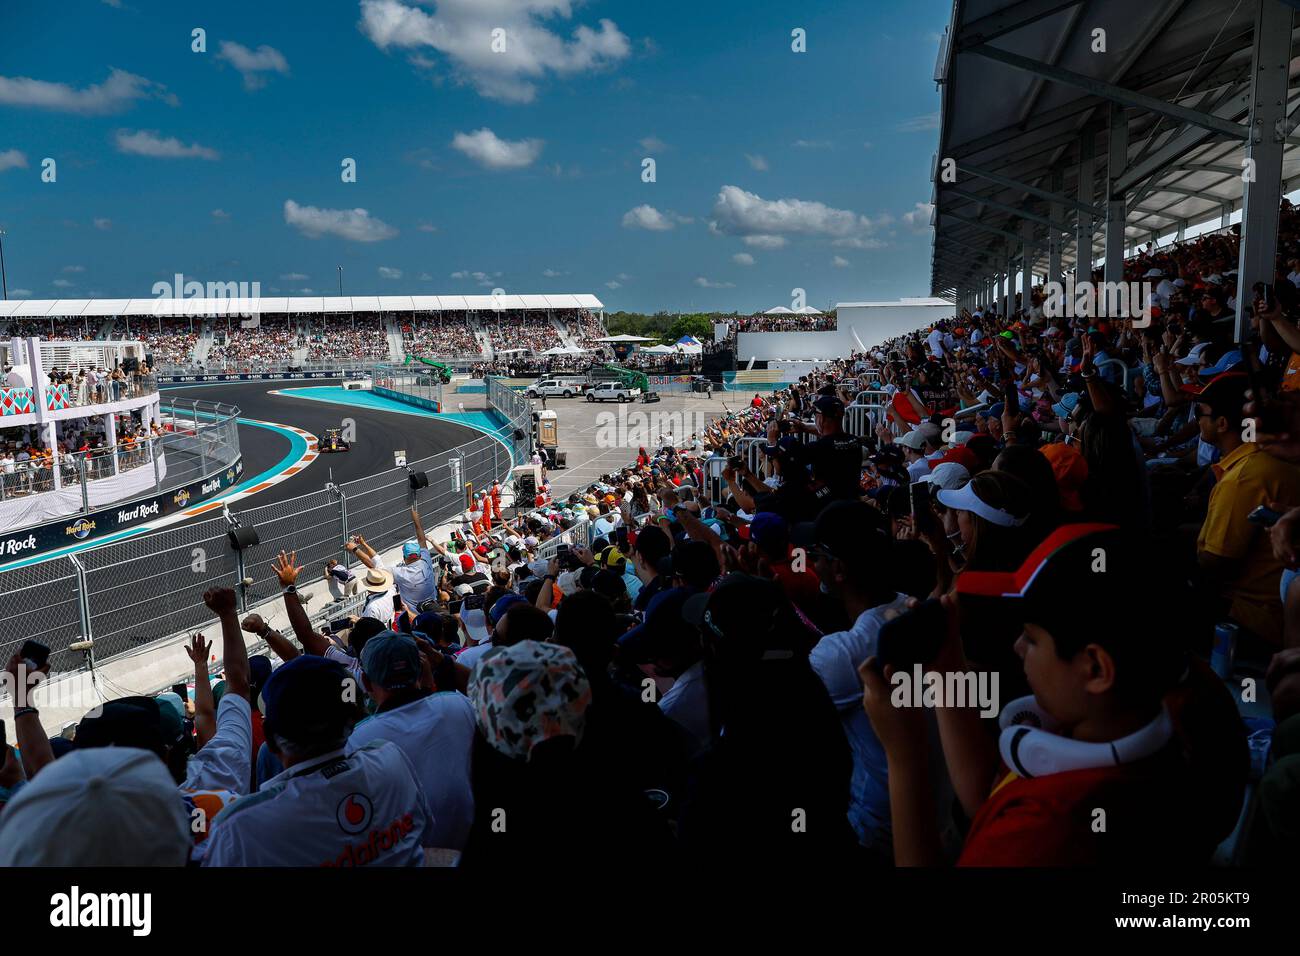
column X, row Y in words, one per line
column 133, row 593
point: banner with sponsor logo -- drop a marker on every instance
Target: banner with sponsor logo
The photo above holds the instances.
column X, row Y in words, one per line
column 260, row 376
column 100, row 524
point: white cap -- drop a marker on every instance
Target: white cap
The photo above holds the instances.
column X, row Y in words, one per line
column 1194, row 356
column 1153, row 274
column 102, row 806
column 949, row 475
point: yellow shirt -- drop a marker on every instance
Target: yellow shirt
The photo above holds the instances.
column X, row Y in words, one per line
column 1248, row 477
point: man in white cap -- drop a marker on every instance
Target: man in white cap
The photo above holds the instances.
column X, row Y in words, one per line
column 103, row 806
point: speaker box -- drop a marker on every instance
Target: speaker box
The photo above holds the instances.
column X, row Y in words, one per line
column 418, row 480
column 243, row 538
column 526, row 486
column 561, row 458
column 130, row 364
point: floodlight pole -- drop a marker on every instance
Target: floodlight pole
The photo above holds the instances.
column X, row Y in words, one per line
column 4, row 280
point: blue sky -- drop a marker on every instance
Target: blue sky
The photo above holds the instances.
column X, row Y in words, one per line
column 518, row 169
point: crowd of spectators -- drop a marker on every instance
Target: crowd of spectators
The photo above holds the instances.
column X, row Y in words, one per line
column 169, row 340
column 81, row 449
column 436, row 338
column 54, row 330
column 521, row 330
column 988, row 577
column 763, row 322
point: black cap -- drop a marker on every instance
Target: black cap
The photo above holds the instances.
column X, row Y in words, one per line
column 745, row 616
column 844, row 530
column 829, row 405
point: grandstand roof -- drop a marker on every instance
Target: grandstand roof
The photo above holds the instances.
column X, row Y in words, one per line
column 1021, row 82
column 309, row 305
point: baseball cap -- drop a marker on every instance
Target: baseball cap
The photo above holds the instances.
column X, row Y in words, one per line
column 503, row 604
column 829, row 405
column 466, row 562
column 1228, row 361
column 391, row 660
column 846, row 530
column 768, row 528
column 611, row 557
column 107, row 806
column 139, row 722
column 962, row 456
column 410, row 548
column 744, row 613
column 1071, row 471
column 947, row 475
column 1066, row 405
column 526, row 694
column 305, row 697
column 1194, row 356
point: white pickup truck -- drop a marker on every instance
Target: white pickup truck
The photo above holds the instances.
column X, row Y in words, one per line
column 612, row 391
column 552, row 387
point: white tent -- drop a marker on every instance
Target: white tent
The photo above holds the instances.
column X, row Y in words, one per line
column 658, row 350
column 564, row 350
column 779, row 310
column 625, row 338
column 808, row 310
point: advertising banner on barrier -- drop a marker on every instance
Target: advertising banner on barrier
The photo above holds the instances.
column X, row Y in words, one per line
column 260, row 376
column 75, row 529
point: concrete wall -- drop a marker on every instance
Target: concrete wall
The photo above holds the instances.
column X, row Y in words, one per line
column 868, row 323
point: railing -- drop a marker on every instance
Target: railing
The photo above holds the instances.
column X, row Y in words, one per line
column 144, row 589
column 204, row 440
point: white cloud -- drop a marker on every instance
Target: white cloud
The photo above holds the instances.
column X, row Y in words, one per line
column 115, row 94
column 613, row 284
column 623, row 277
column 61, row 284
column 757, row 162
column 764, row 242
column 356, row 225
column 859, row 243
column 71, row 269
column 462, row 31
column 741, row 213
column 388, row 272
column 489, row 150
column 427, row 227
column 704, row 283
column 839, row 262
column 253, row 64
column 918, row 219
column 551, row 273
column 919, row 124
column 653, row 144
column 294, row 277
column 812, row 144
column 425, row 277
column 648, row 217
column 743, row 259
column 220, row 214
column 103, row 224
column 22, row 293
column 482, row 278
column 149, row 143
column 12, row 159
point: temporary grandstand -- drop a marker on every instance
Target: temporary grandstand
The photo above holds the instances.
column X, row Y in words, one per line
column 1141, row 122
column 272, row 306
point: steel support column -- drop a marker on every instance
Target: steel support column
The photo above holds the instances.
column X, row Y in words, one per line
column 1083, row 234
column 1267, row 138
column 1054, row 239
column 1116, row 162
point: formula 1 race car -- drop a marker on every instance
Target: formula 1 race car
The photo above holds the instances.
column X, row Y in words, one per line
column 332, row 440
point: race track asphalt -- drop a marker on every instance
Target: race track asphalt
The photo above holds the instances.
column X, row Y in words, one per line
column 378, row 434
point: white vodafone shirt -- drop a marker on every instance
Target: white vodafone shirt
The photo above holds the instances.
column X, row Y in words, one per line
column 437, row 734
column 350, row 807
